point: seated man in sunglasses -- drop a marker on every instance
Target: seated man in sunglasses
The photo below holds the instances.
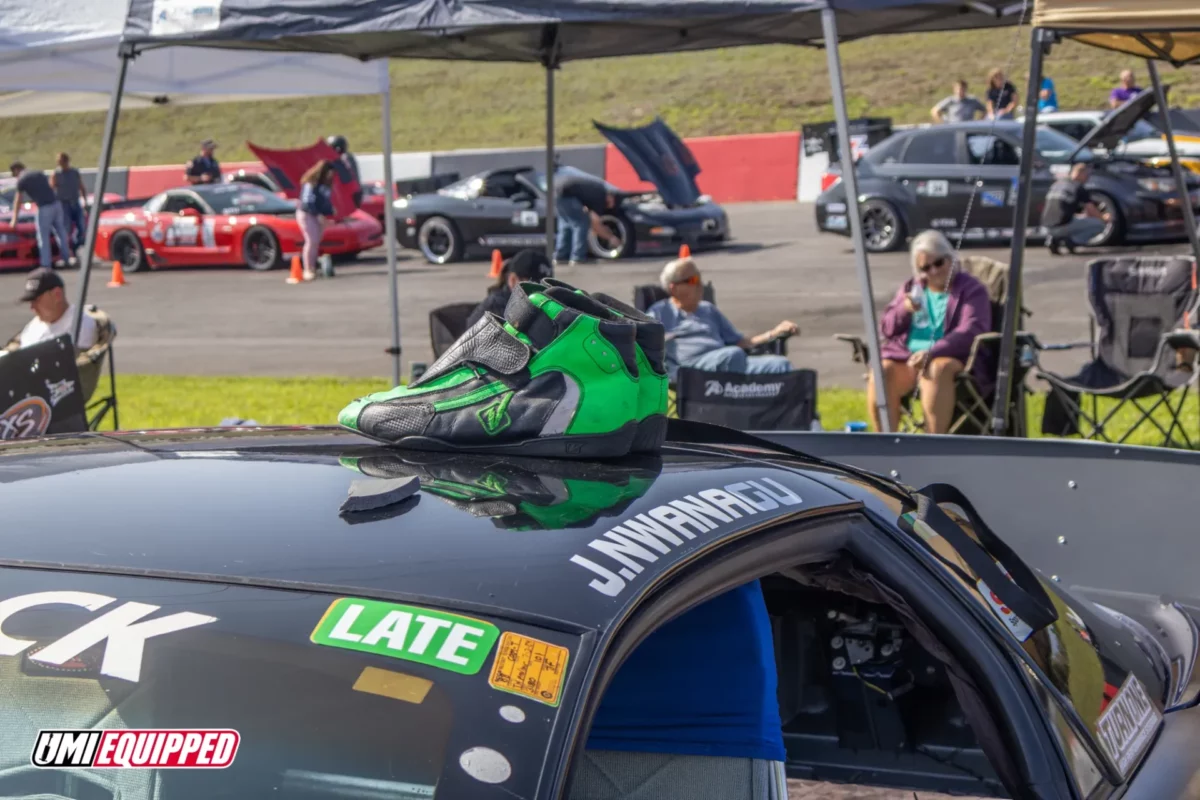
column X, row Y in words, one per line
column 701, row 337
column 927, row 331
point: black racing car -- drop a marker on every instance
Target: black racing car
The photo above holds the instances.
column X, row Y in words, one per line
column 928, row 177
column 505, row 209
column 374, row 622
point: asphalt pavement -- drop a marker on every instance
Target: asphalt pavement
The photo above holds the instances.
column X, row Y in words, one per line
column 218, row 321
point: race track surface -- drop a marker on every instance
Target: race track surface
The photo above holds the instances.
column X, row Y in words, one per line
column 215, row 321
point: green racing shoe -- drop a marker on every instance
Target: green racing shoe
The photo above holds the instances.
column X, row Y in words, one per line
column 550, row 380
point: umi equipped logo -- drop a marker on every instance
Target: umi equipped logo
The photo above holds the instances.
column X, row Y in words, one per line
column 135, row 749
column 494, row 416
column 742, row 391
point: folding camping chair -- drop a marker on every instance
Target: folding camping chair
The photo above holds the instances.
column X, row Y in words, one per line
column 648, row 294
column 446, row 324
column 1142, row 353
column 91, row 364
column 973, row 399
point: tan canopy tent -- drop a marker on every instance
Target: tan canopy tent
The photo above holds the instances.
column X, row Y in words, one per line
column 1168, row 30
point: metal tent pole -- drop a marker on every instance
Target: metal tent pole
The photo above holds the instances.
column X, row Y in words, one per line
column 1189, row 215
column 93, row 221
column 550, row 209
column 389, row 226
column 1012, row 303
column 849, row 180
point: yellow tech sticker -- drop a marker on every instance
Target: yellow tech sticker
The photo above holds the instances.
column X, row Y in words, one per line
column 529, row 667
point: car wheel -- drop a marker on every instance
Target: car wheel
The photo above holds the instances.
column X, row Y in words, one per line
column 883, row 230
column 126, row 249
column 1114, row 229
column 620, row 228
column 439, row 241
column 260, row 249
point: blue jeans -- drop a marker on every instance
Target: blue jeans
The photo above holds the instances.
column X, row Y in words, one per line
column 52, row 220
column 734, row 359
column 574, row 224
column 76, row 227
column 1078, row 231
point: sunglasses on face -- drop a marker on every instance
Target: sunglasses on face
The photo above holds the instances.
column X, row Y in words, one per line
column 692, row 280
column 938, row 264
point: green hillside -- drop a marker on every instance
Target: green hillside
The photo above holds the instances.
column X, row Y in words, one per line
column 443, row 106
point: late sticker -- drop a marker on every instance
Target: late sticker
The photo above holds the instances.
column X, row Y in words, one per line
column 529, row 667
column 447, row 641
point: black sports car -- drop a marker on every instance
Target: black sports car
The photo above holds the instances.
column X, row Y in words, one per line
column 505, row 209
column 375, row 622
column 928, row 177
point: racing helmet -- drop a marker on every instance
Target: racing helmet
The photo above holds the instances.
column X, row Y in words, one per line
column 338, row 143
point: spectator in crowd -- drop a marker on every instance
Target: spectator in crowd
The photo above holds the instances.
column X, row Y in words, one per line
column 959, row 106
column 342, row 147
column 316, row 207
column 527, row 265
column 1047, row 97
column 927, row 332
column 580, row 200
column 52, row 314
column 1124, row 91
column 68, row 184
column 1001, row 96
column 700, row 337
column 1070, row 215
column 51, row 221
column 204, row 167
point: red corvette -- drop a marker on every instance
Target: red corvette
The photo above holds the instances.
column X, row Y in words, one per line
column 373, row 201
column 18, row 246
column 221, row 224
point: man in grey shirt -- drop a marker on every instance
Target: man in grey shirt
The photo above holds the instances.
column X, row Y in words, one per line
column 959, row 107
column 50, row 218
column 701, row 337
column 68, row 184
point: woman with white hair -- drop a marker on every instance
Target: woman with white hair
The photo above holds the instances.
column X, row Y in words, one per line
column 927, row 332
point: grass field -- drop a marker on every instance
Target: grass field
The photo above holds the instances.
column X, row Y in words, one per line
column 443, row 105
column 154, row 401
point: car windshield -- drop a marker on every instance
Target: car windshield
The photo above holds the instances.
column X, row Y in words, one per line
column 1056, row 148
column 466, row 189
column 243, row 198
column 331, row 697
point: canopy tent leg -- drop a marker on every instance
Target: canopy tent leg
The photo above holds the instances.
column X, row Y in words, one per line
column 1012, row 303
column 93, row 220
column 850, row 181
column 550, row 207
column 1189, row 215
column 389, row 227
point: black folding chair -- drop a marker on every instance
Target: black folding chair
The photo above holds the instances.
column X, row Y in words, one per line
column 1142, row 356
column 91, row 365
column 446, row 324
column 785, row 401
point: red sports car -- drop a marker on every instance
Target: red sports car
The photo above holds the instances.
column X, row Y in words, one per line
column 18, row 246
column 221, row 224
column 373, row 203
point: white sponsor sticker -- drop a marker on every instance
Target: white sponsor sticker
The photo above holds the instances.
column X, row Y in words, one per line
column 526, row 219
column 173, row 17
column 944, row 222
column 208, row 233
column 836, row 222
column 1128, row 724
column 1016, row 626
column 934, row 188
column 835, row 208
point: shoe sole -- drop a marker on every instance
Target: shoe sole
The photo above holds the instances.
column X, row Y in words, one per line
column 651, row 435
column 601, row 445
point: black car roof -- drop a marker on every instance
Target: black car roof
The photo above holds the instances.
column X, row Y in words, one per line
column 263, row 506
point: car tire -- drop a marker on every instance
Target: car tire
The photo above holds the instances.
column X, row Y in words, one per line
column 439, row 241
column 1114, row 232
column 260, row 249
column 883, row 227
column 623, row 228
column 126, row 247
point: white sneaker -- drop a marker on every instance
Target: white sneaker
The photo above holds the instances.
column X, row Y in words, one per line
column 308, row 276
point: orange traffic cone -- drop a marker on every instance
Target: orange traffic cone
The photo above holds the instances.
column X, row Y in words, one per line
column 297, row 273
column 497, row 265
column 685, row 251
column 118, row 276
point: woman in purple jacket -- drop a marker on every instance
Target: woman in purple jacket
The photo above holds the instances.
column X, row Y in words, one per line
column 927, row 331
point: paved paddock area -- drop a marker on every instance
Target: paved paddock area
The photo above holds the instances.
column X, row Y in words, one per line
column 219, row 321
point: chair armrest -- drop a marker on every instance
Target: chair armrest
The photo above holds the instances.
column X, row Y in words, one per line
column 862, row 354
column 1182, row 339
column 1065, row 346
column 1022, row 339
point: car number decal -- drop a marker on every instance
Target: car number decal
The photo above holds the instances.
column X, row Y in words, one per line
column 529, row 667
column 933, row 188
column 526, row 219
column 1128, row 724
column 434, row 638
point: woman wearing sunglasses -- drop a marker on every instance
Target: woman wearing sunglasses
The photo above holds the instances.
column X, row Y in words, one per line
column 927, row 332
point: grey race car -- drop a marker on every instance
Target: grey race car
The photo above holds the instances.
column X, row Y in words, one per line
column 505, row 209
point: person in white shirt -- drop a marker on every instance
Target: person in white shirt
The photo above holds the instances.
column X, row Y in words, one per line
column 52, row 314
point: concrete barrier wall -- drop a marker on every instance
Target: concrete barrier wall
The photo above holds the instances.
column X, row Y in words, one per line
column 118, row 180
column 405, row 166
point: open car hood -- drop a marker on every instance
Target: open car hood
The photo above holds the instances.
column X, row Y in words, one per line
column 1110, row 130
column 659, row 157
column 287, row 167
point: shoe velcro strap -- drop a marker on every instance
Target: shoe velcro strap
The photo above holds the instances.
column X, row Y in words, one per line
column 528, row 318
column 485, row 343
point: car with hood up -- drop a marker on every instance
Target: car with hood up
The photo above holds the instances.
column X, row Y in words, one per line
column 961, row 178
column 505, row 209
column 361, row 620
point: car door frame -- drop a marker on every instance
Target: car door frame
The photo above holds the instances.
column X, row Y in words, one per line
column 1014, row 707
column 989, row 180
column 933, row 190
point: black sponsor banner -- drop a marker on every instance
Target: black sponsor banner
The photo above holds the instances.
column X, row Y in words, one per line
column 39, row 391
column 786, row 401
column 865, row 132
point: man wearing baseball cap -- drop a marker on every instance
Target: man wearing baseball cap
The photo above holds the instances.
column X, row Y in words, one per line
column 204, row 167
column 52, row 314
column 527, row 265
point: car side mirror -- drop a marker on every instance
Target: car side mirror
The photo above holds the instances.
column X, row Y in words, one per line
column 189, row 212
